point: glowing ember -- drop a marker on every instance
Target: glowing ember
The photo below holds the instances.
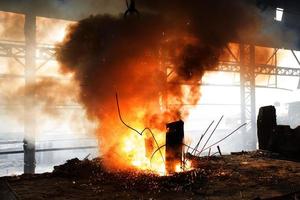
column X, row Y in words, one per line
column 178, row 168
column 186, row 167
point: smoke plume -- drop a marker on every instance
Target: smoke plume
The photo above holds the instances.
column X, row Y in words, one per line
column 109, row 54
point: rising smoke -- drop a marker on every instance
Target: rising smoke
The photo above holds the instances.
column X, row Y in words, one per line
column 109, row 54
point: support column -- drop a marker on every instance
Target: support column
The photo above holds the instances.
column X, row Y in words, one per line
column 29, row 102
column 253, row 131
column 248, row 105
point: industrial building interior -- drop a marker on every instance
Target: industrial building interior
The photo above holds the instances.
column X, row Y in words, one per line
column 149, row 99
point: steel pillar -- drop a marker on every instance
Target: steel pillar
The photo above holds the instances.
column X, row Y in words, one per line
column 29, row 102
column 247, row 90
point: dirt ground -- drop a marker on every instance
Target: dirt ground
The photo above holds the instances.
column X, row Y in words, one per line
column 239, row 176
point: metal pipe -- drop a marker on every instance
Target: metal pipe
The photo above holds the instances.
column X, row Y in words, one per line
column 49, row 150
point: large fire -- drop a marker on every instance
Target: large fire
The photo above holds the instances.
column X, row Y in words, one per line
column 134, row 148
column 142, row 152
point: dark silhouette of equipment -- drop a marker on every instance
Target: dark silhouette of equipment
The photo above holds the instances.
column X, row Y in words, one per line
column 174, row 147
column 281, row 139
column 266, row 127
column 131, row 10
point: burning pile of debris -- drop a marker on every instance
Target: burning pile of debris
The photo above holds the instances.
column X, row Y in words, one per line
column 132, row 179
column 243, row 175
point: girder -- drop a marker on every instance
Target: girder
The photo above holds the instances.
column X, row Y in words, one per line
column 17, row 50
column 47, row 52
column 259, row 69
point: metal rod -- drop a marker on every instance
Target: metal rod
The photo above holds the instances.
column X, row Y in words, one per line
column 296, row 57
column 158, row 149
column 43, row 141
column 121, row 119
column 274, row 53
column 225, row 137
column 52, row 149
column 162, row 157
column 211, row 135
column 135, row 130
column 169, row 74
column 219, row 150
column 232, row 54
column 197, row 145
column 190, row 147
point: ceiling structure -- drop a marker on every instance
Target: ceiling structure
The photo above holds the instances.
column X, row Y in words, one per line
column 287, row 30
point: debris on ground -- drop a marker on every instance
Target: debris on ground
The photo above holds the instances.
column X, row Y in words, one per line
column 246, row 175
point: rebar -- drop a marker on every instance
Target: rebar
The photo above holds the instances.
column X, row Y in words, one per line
column 135, row 130
column 211, row 135
column 202, row 136
column 225, row 137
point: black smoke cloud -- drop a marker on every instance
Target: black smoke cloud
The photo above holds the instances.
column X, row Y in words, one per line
column 108, row 53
